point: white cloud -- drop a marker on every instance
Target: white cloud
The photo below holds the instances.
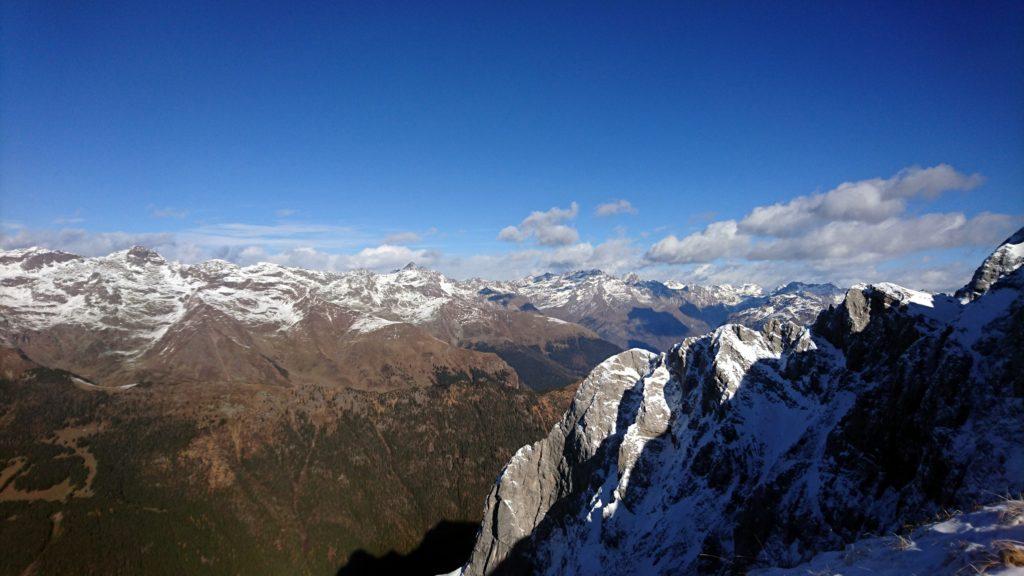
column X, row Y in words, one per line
column 616, row 207
column 847, row 234
column 546, row 228
column 83, row 242
column 871, row 201
column 381, row 258
column 858, row 231
column 859, row 221
column 945, row 277
column 285, row 212
column 872, row 242
column 615, row 256
column 718, row 239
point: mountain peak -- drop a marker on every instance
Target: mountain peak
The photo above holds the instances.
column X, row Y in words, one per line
column 140, row 255
column 35, row 257
column 1003, row 261
column 579, row 274
column 826, row 289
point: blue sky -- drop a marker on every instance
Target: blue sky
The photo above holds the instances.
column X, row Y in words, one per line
column 355, row 134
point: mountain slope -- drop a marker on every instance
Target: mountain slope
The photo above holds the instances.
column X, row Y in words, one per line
column 987, row 541
column 132, row 316
column 229, row 478
column 744, row 448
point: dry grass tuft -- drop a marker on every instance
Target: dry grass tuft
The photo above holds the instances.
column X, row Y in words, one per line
column 902, row 543
column 1010, row 552
column 999, row 554
column 1013, row 511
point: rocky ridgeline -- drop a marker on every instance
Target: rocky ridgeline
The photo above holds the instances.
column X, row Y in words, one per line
column 132, row 316
column 749, row 448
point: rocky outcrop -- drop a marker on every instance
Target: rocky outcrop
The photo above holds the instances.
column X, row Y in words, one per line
column 1007, row 258
column 545, row 472
column 745, row 448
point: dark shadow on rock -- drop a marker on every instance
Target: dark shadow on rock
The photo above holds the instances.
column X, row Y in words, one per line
column 444, row 548
column 885, row 442
column 584, row 480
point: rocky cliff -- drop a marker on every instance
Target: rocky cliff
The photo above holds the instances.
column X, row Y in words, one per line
column 749, row 448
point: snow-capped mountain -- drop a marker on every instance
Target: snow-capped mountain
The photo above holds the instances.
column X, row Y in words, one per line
column 748, row 448
column 795, row 302
column 132, row 316
column 1007, row 258
column 649, row 314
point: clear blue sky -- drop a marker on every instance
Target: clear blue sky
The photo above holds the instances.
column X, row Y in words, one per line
column 375, row 119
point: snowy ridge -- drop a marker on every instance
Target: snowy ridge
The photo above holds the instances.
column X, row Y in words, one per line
column 138, row 296
column 138, row 293
column 981, row 542
column 1003, row 262
column 634, row 312
column 749, row 448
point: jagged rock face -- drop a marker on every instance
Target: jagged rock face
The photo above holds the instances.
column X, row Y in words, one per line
column 745, row 448
column 543, row 473
column 1007, row 258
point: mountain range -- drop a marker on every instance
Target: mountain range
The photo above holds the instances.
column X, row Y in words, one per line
column 222, row 419
column 227, row 419
column 754, row 449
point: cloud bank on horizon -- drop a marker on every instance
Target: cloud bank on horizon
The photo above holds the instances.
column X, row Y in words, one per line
column 865, row 230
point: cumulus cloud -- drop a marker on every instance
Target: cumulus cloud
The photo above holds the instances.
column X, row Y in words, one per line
column 547, row 228
column 718, row 239
column 867, row 230
column 859, row 221
column 872, row 241
column 846, row 234
column 870, row 201
column 616, row 207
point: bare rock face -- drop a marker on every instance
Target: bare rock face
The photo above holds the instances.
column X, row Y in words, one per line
column 750, row 448
column 1007, row 258
column 542, row 473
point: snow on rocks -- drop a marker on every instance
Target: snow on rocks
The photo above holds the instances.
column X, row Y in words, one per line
column 986, row 541
column 742, row 449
